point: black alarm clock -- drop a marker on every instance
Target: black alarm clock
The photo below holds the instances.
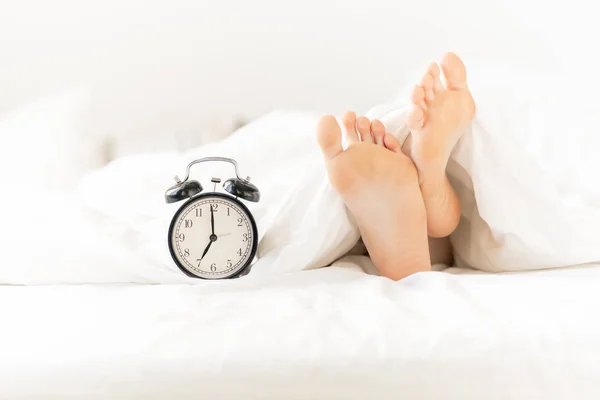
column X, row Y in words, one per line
column 213, row 235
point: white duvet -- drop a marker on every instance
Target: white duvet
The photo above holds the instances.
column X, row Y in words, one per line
column 526, row 173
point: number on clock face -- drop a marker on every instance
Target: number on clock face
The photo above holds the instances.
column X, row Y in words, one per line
column 207, row 253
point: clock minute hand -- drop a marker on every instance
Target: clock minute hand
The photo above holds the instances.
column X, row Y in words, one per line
column 212, row 220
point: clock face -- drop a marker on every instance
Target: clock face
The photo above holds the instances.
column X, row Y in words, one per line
column 212, row 236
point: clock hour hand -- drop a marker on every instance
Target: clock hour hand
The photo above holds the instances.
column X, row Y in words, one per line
column 206, row 250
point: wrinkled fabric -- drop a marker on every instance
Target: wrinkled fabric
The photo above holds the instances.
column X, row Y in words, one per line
column 526, row 173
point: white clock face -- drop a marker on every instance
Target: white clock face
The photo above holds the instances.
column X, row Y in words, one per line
column 212, row 237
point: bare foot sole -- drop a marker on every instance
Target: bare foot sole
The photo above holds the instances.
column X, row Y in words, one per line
column 379, row 185
column 440, row 114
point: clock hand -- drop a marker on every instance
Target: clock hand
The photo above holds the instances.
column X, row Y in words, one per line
column 206, row 250
column 212, row 220
column 213, row 237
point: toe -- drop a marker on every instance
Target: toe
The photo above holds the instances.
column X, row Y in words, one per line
column 427, row 84
column 329, row 136
column 454, row 71
column 364, row 129
column 434, row 71
column 377, row 131
column 418, row 95
column 415, row 118
column 349, row 126
column 391, row 143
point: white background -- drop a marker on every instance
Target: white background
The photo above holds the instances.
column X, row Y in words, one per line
column 184, row 68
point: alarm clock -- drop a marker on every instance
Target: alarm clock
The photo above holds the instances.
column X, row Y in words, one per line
column 213, row 235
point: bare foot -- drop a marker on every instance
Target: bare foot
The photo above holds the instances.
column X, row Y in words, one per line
column 379, row 185
column 440, row 115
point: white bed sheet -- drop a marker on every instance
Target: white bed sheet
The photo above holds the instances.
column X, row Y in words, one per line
column 333, row 333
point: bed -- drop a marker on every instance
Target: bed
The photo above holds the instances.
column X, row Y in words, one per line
column 104, row 314
column 104, row 318
column 333, row 333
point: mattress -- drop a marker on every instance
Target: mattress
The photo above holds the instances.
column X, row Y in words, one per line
column 331, row 333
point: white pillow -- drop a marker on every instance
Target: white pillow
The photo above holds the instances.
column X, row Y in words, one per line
column 46, row 143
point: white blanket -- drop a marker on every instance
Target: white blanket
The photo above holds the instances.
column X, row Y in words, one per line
column 525, row 174
column 333, row 333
